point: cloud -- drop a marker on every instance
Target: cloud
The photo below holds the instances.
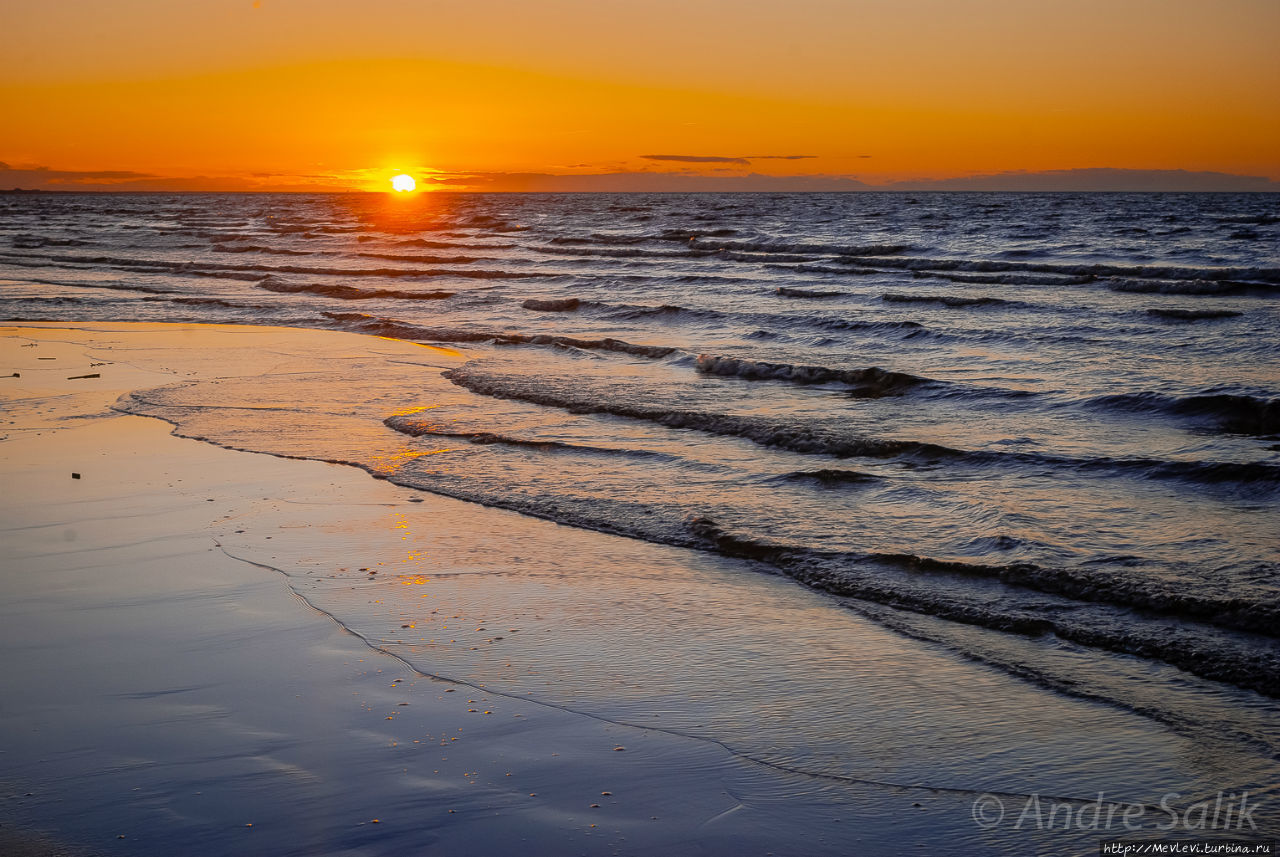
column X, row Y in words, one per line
column 697, row 159
column 44, row 178
column 742, row 160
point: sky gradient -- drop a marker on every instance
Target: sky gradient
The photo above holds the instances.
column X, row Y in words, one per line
column 570, row 94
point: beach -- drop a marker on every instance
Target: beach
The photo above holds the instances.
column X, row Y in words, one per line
column 767, row 430
column 178, row 680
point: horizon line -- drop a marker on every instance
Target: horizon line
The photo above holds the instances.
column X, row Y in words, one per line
column 438, row 192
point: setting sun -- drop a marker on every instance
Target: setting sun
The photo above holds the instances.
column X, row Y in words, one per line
column 403, row 183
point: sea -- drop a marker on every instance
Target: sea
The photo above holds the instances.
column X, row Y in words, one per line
column 1041, row 431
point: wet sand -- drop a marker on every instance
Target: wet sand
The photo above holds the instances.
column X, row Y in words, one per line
column 173, row 684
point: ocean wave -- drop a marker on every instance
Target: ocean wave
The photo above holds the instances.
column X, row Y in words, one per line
column 762, row 258
column 871, row 382
column 847, row 271
column 1250, row 219
column 674, row 312
column 35, row 242
column 1146, row 593
column 1092, row 585
column 552, row 304
column 786, row 292
column 623, row 252
column 775, row 246
column 1202, row 472
column 616, row 240
column 302, row 229
column 1185, row 287
column 1013, row 279
column 431, row 273
column 112, row 287
column 416, row 426
column 945, row 300
column 1254, row 277
column 361, row 323
column 143, row 266
column 1232, row 412
column 349, row 293
column 442, row 245
column 818, row 437
column 639, row 312
column 212, row 269
column 911, row 328
column 218, row 302
column 1192, row 314
column 1179, row 629
column 765, row 431
column 689, row 252
column 424, row 258
column 258, row 248
column 831, row 476
column 358, row 322
column 602, row 238
column 686, row 234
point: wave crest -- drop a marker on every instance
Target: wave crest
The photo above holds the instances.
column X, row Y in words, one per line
column 872, row 382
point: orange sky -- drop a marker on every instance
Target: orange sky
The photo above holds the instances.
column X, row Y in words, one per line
column 321, row 93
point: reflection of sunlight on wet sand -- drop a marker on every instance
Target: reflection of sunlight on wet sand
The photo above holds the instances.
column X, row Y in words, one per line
column 452, row 352
column 412, row 409
column 393, row 462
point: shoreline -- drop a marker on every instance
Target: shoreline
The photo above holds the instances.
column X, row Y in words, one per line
column 206, row 673
column 351, row 688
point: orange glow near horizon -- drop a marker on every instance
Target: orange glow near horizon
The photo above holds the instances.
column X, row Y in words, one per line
column 286, row 95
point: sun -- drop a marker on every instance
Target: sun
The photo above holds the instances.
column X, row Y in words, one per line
column 403, row 183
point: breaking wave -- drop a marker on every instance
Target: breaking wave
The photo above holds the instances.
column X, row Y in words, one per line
column 361, row 323
column 1231, row 412
column 552, row 304
column 829, row 476
column 417, row 427
column 823, row 437
column 349, row 293
column 945, row 300
column 1070, row 603
column 870, row 382
column 785, row 292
